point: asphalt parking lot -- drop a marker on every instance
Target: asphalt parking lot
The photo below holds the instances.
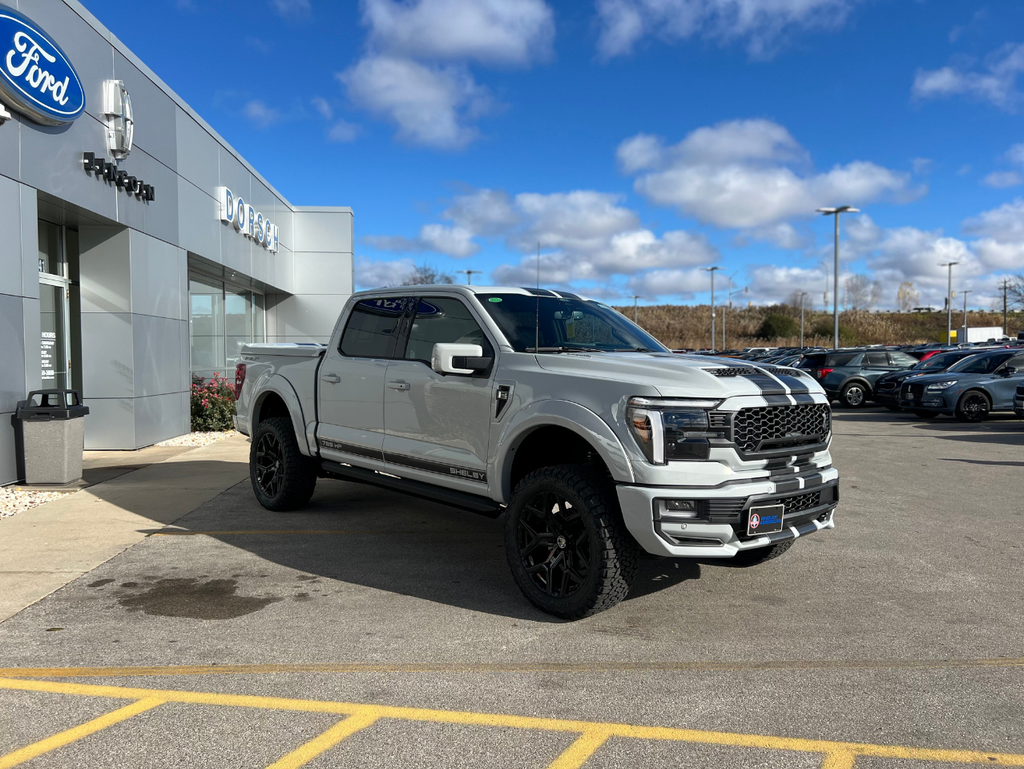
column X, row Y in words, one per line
column 374, row 630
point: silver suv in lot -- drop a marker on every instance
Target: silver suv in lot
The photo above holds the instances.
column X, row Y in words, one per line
column 591, row 438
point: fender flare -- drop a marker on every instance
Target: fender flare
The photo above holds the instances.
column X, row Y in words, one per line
column 862, row 382
column 558, row 413
column 280, row 386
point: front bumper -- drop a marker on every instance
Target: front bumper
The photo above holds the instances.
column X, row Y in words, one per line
column 1018, row 406
column 723, row 532
column 887, row 397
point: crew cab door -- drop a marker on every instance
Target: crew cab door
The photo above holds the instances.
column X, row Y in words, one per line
column 351, row 384
column 437, row 425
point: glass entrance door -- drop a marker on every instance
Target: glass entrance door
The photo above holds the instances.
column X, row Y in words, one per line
column 55, row 349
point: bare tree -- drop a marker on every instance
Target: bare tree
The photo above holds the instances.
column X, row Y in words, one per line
column 1015, row 291
column 797, row 298
column 425, row 275
column 858, row 291
column 907, row 297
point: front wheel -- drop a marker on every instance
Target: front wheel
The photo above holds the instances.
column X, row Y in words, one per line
column 973, row 406
column 283, row 478
column 566, row 544
column 853, row 395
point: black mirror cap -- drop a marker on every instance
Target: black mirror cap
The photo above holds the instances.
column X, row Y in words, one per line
column 1009, row 371
column 477, row 365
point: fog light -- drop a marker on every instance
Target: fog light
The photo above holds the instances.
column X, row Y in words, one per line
column 677, row 509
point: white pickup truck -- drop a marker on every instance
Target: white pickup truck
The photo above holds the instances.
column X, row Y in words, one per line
column 590, row 436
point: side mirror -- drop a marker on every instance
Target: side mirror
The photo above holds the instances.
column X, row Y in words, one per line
column 451, row 358
column 1009, row 371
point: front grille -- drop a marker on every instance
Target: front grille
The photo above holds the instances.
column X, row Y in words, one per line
column 778, row 427
column 886, row 386
column 915, row 390
column 728, row 510
column 802, row 502
column 1020, row 391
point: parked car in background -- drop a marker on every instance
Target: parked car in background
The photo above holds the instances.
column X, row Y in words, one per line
column 970, row 389
column 887, row 387
column 1018, row 401
column 849, row 376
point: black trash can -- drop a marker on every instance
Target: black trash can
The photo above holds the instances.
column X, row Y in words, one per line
column 52, row 436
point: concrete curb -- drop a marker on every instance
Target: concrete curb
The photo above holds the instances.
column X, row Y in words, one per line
column 47, row 547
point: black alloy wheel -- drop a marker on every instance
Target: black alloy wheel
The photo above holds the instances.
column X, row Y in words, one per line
column 565, row 541
column 268, row 470
column 553, row 544
column 283, row 478
column 973, row 407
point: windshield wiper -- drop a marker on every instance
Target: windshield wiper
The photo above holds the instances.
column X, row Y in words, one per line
column 564, row 349
column 634, row 349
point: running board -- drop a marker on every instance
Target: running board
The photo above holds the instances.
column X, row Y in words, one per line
column 471, row 502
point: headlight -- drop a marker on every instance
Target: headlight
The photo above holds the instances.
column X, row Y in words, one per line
column 672, row 430
column 935, row 387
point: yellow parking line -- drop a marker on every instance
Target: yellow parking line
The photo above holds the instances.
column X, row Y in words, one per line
column 229, row 532
column 577, row 754
column 303, row 755
column 505, row 667
column 68, row 736
column 832, row 750
column 840, row 760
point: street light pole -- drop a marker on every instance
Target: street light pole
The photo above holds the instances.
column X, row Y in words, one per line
column 835, row 278
column 469, row 275
column 949, row 301
column 635, row 297
column 712, row 271
column 731, row 292
column 964, row 340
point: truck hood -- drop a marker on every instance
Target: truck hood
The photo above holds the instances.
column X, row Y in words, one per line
column 682, row 376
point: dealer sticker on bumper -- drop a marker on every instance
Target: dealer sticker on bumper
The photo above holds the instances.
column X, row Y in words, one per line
column 765, row 520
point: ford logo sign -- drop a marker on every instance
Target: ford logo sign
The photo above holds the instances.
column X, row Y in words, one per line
column 36, row 77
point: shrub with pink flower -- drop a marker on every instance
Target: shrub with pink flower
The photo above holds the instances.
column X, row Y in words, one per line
column 213, row 404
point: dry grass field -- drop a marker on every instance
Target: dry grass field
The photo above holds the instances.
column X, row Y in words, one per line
column 690, row 326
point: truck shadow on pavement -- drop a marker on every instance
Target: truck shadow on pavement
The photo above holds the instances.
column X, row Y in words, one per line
column 361, row 535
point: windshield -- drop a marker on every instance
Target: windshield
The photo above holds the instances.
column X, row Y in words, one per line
column 939, row 362
column 980, row 364
column 559, row 324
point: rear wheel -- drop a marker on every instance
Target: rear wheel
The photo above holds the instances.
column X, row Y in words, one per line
column 283, row 478
column 974, row 406
column 566, row 544
column 925, row 414
column 761, row 554
column 853, row 395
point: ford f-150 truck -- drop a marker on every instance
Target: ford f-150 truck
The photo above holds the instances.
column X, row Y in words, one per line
column 590, row 437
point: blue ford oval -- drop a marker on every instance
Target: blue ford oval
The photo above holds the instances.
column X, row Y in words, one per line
column 36, row 76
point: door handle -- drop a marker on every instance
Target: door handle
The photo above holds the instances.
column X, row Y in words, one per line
column 398, row 385
column 331, row 378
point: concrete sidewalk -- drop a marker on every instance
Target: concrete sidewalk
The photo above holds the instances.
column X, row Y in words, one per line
column 45, row 548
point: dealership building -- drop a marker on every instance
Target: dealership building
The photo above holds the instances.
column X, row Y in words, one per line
column 139, row 248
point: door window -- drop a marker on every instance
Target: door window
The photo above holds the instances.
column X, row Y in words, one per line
column 372, row 328
column 902, row 360
column 876, row 359
column 445, row 320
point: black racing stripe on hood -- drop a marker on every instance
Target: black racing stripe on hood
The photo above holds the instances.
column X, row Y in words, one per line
column 795, row 384
column 767, row 384
column 777, row 400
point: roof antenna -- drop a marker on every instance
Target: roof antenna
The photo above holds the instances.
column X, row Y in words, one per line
column 536, row 325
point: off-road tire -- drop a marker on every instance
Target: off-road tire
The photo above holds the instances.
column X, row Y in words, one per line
column 854, row 395
column 973, row 406
column 287, row 483
column 611, row 552
column 761, row 554
column 925, row 414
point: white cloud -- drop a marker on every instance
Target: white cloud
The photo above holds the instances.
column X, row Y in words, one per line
column 997, row 83
column 738, row 174
column 763, row 25
column 372, row 273
column 1016, row 154
column 488, row 31
column 321, row 105
column 484, row 212
column 343, row 131
column 922, row 166
column 670, row 282
column 452, row 241
column 1002, row 179
column 773, row 284
column 1001, row 235
column 430, row 105
column 260, row 114
column 292, row 9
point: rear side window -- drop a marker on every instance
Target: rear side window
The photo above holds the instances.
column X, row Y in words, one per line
column 982, row 364
column 372, row 328
column 876, row 359
column 842, row 359
column 902, row 360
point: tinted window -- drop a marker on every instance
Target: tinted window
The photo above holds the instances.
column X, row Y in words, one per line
column 981, row 364
column 1017, row 363
column 902, row 360
column 372, row 328
column 876, row 359
column 441, row 319
column 841, row 359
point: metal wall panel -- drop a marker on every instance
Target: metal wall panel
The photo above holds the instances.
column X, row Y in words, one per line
column 11, row 266
column 199, row 228
column 322, row 273
column 157, row 418
column 323, row 230
column 154, row 111
column 198, row 153
column 307, row 316
column 110, row 423
column 30, row 345
column 108, row 366
column 8, row 460
column 105, row 269
column 157, row 355
column 155, row 277
column 12, row 372
column 29, row 242
column 10, row 147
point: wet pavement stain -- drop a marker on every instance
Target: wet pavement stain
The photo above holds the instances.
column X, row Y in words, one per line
column 100, row 583
column 192, row 599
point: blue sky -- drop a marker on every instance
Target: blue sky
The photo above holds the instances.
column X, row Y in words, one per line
column 637, row 141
